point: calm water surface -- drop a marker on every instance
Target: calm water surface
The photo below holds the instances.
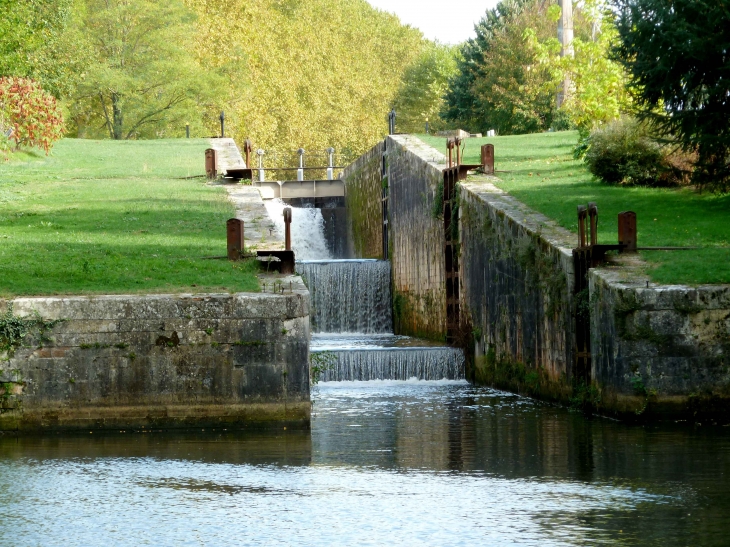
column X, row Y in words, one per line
column 387, row 463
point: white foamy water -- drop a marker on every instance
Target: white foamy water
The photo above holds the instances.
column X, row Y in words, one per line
column 307, row 229
column 349, row 296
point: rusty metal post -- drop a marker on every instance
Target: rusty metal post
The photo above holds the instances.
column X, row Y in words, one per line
column 211, row 163
column 287, row 228
column 593, row 214
column 488, row 159
column 234, row 229
column 627, row 231
column 582, row 215
column 450, row 148
column 457, row 144
column 248, row 148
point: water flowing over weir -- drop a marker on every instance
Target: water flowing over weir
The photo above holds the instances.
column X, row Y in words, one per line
column 349, row 295
column 351, row 311
column 352, row 320
column 308, row 239
column 388, row 357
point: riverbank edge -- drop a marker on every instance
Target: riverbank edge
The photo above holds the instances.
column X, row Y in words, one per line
column 158, row 361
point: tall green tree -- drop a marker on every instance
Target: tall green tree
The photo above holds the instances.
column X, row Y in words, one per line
column 38, row 40
column 677, row 53
column 316, row 73
column 145, row 79
column 462, row 107
column 512, row 91
column 598, row 92
column 421, row 94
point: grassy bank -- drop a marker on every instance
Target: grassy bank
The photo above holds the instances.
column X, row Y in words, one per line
column 543, row 174
column 103, row 217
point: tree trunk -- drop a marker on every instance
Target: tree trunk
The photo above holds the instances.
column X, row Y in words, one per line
column 117, row 117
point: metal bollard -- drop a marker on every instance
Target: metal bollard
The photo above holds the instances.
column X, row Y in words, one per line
column 593, row 215
column 627, row 231
column 488, row 159
column 234, row 229
column 211, row 163
column 287, row 228
column 262, row 175
column 330, row 168
column 223, row 124
column 300, row 171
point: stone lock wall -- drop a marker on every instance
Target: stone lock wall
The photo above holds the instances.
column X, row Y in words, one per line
column 659, row 350
column 363, row 194
column 160, row 361
column 415, row 176
column 517, row 287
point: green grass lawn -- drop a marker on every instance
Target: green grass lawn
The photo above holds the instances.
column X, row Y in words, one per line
column 544, row 175
column 104, row 217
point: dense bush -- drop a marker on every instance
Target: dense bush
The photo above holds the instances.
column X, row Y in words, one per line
column 676, row 55
column 625, row 152
column 29, row 116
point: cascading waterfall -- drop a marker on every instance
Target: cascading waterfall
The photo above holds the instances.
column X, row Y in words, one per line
column 397, row 364
column 307, row 230
column 349, row 295
column 352, row 312
column 352, row 321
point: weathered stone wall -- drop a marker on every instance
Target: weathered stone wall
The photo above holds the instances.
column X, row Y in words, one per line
column 363, row 194
column 659, row 350
column 115, row 362
column 415, row 176
column 656, row 350
column 517, row 285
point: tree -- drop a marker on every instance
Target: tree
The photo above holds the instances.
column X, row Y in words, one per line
column 677, row 53
column 421, row 94
column 462, row 107
column 512, row 89
column 598, row 93
column 314, row 73
column 145, row 77
column 38, row 40
column 29, row 116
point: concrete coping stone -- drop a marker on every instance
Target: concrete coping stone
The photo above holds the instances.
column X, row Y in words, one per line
column 534, row 223
column 426, row 152
column 293, row 302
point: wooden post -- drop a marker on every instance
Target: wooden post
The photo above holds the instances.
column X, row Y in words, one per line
column 593, row 215
column 582, row 215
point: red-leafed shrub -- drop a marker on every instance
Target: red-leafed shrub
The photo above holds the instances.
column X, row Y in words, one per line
column 29, row 116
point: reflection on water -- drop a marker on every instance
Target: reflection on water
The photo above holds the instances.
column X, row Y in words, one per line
column 387, row 463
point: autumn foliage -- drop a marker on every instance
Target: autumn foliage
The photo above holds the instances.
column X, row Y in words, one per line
column 29, row 116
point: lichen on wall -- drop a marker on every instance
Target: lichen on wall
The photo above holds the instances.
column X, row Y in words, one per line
column 415, row 174
column 517, row 291
column 659, row 350
column 363, row 194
